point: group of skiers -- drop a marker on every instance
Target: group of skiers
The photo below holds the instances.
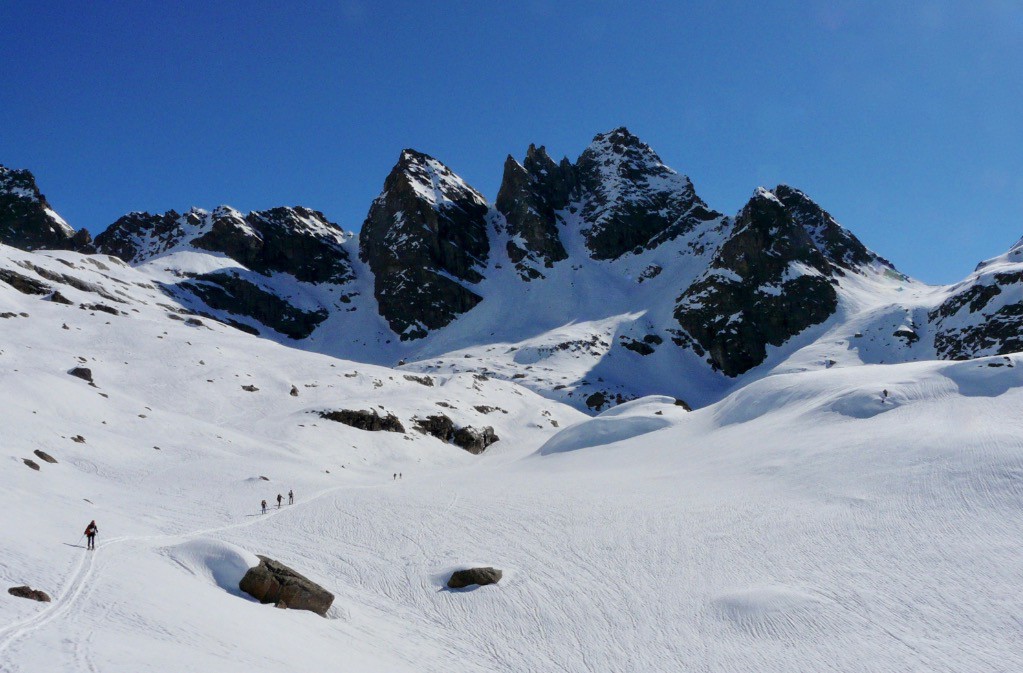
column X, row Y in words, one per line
column 92, row 529
column 280, row 499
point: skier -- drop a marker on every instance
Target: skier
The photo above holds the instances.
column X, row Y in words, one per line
column 884, row 395
column 264, row 506
column 394, row 477
column 399, row 476
column 291, row 497
column 279, row 498
column 90, row 533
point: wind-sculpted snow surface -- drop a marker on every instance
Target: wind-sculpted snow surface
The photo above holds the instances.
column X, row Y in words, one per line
column 219, row 563
column 617, row 424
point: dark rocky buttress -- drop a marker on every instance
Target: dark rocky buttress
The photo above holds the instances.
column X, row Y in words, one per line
column 425, row 239
column 767, row 283
column 531, row 194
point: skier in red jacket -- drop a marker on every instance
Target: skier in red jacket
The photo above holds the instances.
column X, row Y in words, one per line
column 90, row 533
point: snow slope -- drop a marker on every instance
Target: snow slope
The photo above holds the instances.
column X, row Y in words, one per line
column 805, row 522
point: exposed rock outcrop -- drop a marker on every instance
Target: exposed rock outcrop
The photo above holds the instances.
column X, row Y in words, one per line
column 983, row 315
column 365, row 420
column 297, row 241
column 232, row 292
column 273, row 582
column 473, row 440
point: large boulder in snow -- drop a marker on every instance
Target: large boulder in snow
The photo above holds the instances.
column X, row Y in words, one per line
column 474, row 440
column 30, row 593
column 470, row 576
column 83, row 373
column 274, row 582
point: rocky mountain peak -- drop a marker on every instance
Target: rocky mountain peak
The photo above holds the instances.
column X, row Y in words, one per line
column 629, row 197
column 425, row 238
column 26, row 219
column 433, row 182
column 767, row 282
column 841, row 248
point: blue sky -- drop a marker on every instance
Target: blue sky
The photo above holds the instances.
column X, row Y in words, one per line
column 903, row 122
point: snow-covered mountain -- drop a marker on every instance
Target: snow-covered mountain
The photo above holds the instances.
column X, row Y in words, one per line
column 590, row 282
column 844, row 497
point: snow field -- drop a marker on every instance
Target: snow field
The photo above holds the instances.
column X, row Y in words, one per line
column 802, row 523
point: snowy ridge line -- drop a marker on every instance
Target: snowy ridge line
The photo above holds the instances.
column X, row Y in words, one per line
column 75, row 586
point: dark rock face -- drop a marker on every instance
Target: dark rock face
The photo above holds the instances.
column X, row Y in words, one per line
column 31, row 463
column 365, row 420
column 297, row 241
column 753, row 296
column 630, row 197
column 425, row 238
column 276, row 583
column 30, row 593
column 481, row 576
column 473, row 440
column 26, row 219
column 231, row 292
column 531, row 194
column 984, row 317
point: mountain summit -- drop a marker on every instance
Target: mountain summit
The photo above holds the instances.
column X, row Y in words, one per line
column 591, row 281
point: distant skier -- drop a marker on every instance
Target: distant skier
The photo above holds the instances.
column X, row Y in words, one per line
column 884, row 395
column 395, row 477
column 291, row 497
column 279, row 499
column 264, row 506
column 90, row 534
column 399, row 476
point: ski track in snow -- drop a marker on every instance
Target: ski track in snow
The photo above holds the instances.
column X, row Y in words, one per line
column 799, row 524
column 78, row 582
